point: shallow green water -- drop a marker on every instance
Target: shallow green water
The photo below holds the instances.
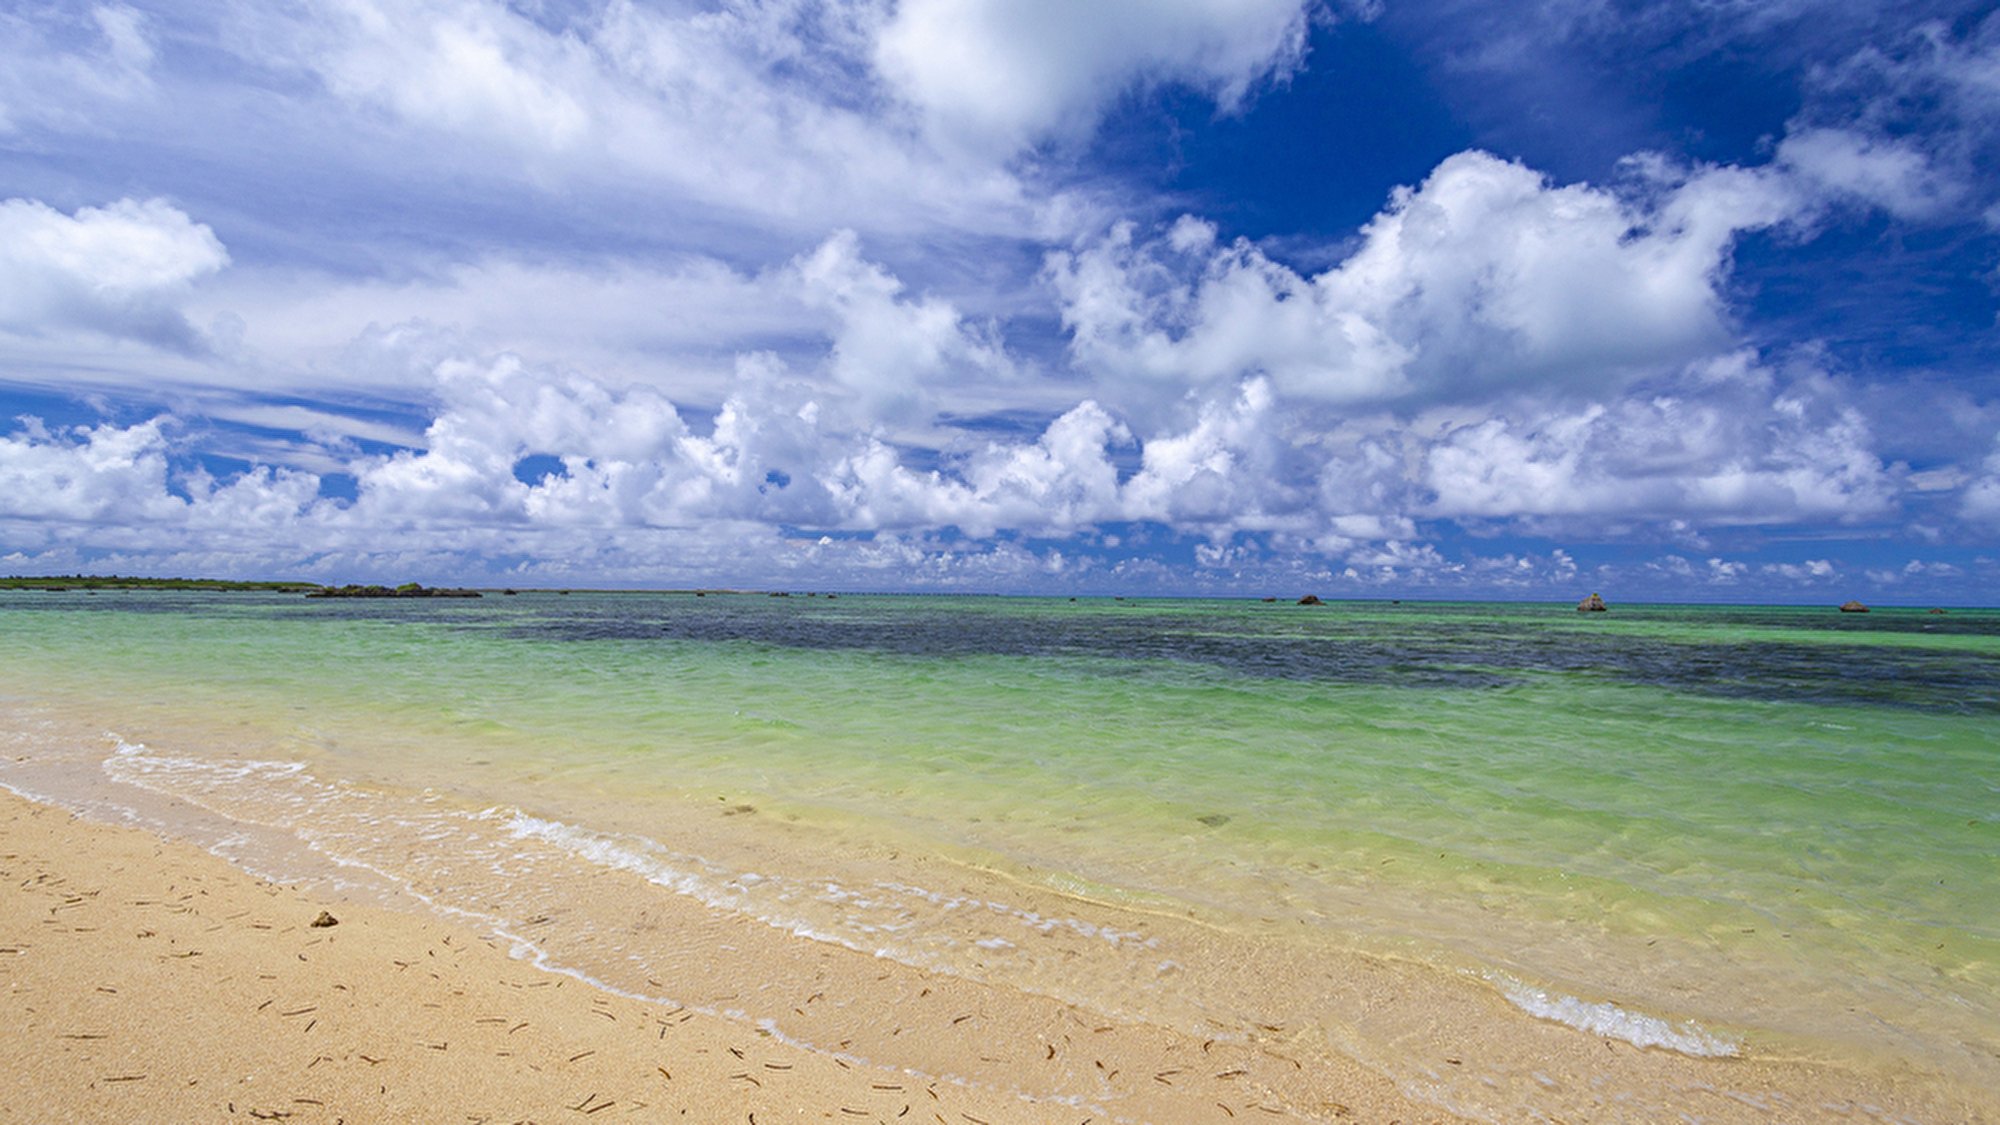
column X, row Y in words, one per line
column 1770, row 821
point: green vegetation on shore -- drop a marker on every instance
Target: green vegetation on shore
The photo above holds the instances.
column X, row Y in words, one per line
column 406, row 590
column 115, row 582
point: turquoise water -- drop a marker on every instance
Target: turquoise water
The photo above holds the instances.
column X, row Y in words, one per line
column 1727, row 830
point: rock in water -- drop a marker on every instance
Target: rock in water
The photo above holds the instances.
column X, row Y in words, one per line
column 1592, row 604
column 1852, row 607
column 1311, row 599
column 406, row 590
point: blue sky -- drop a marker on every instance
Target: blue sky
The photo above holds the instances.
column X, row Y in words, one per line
column 1417, row 298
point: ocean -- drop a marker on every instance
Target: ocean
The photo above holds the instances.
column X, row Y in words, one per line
column 1710, row 837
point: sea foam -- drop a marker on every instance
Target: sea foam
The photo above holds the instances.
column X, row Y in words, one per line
column 1611, row 1021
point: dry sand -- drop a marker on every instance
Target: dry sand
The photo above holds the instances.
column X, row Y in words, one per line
column 148, row 980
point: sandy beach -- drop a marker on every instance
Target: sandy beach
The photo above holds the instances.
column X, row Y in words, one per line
column 148, row 980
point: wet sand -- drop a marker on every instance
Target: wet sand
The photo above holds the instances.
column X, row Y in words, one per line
column 148, row 980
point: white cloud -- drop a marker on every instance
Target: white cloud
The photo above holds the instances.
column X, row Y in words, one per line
column 1218, row 478
column 1887, row 173
column 1981, row 503
column 1484, row 298
column 500, row 411
column 459, row 66
column 630, row 236
column 1395, row 560
column 1062, row 482
column 890, row 350
column 673, row 320
column 99, row 475
column 1938, row 480
column 643, row 497
column 1722, row 572
column 763, row 112
column 674, row 325
column 56, row 65
column 318, row 425
column 1220, row 474
column 1742, row 459
column 776, row 455
column 120, row 270
column 1485, row 278
column 1000, row 74
column 1909, row 123
column 1915, row 570
column 1810, row 571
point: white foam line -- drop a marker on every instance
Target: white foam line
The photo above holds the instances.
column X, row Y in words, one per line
column 752, row 894
column 630, row 854
column 1611, row 1021
column 1029, row 918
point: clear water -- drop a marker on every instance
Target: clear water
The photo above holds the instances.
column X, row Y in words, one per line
column 1711, row 830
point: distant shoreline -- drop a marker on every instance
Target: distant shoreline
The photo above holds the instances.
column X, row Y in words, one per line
column 115, row 582
column 57, row 583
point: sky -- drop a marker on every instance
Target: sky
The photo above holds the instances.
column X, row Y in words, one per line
column 1513, row 299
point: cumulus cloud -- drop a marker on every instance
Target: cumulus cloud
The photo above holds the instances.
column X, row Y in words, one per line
column 1222, row 476
column 1250, row 456
column 1741, row 459
column 887, row 349
column 1497, row 352
column 628, row 461
column 997, row 75
column 618, row 464
column 103, row 474
column 496, row 413
column 639, row 494
column 1060, row 483
column 1483, row 279
column 1915, row 570
column 1810, row 571
column 1219, row 473
column 1714, row 571
column 120, row 270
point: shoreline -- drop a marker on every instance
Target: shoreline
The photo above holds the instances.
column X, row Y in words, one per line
column 108, row 1008
column 125, row 584
column 150, row 977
